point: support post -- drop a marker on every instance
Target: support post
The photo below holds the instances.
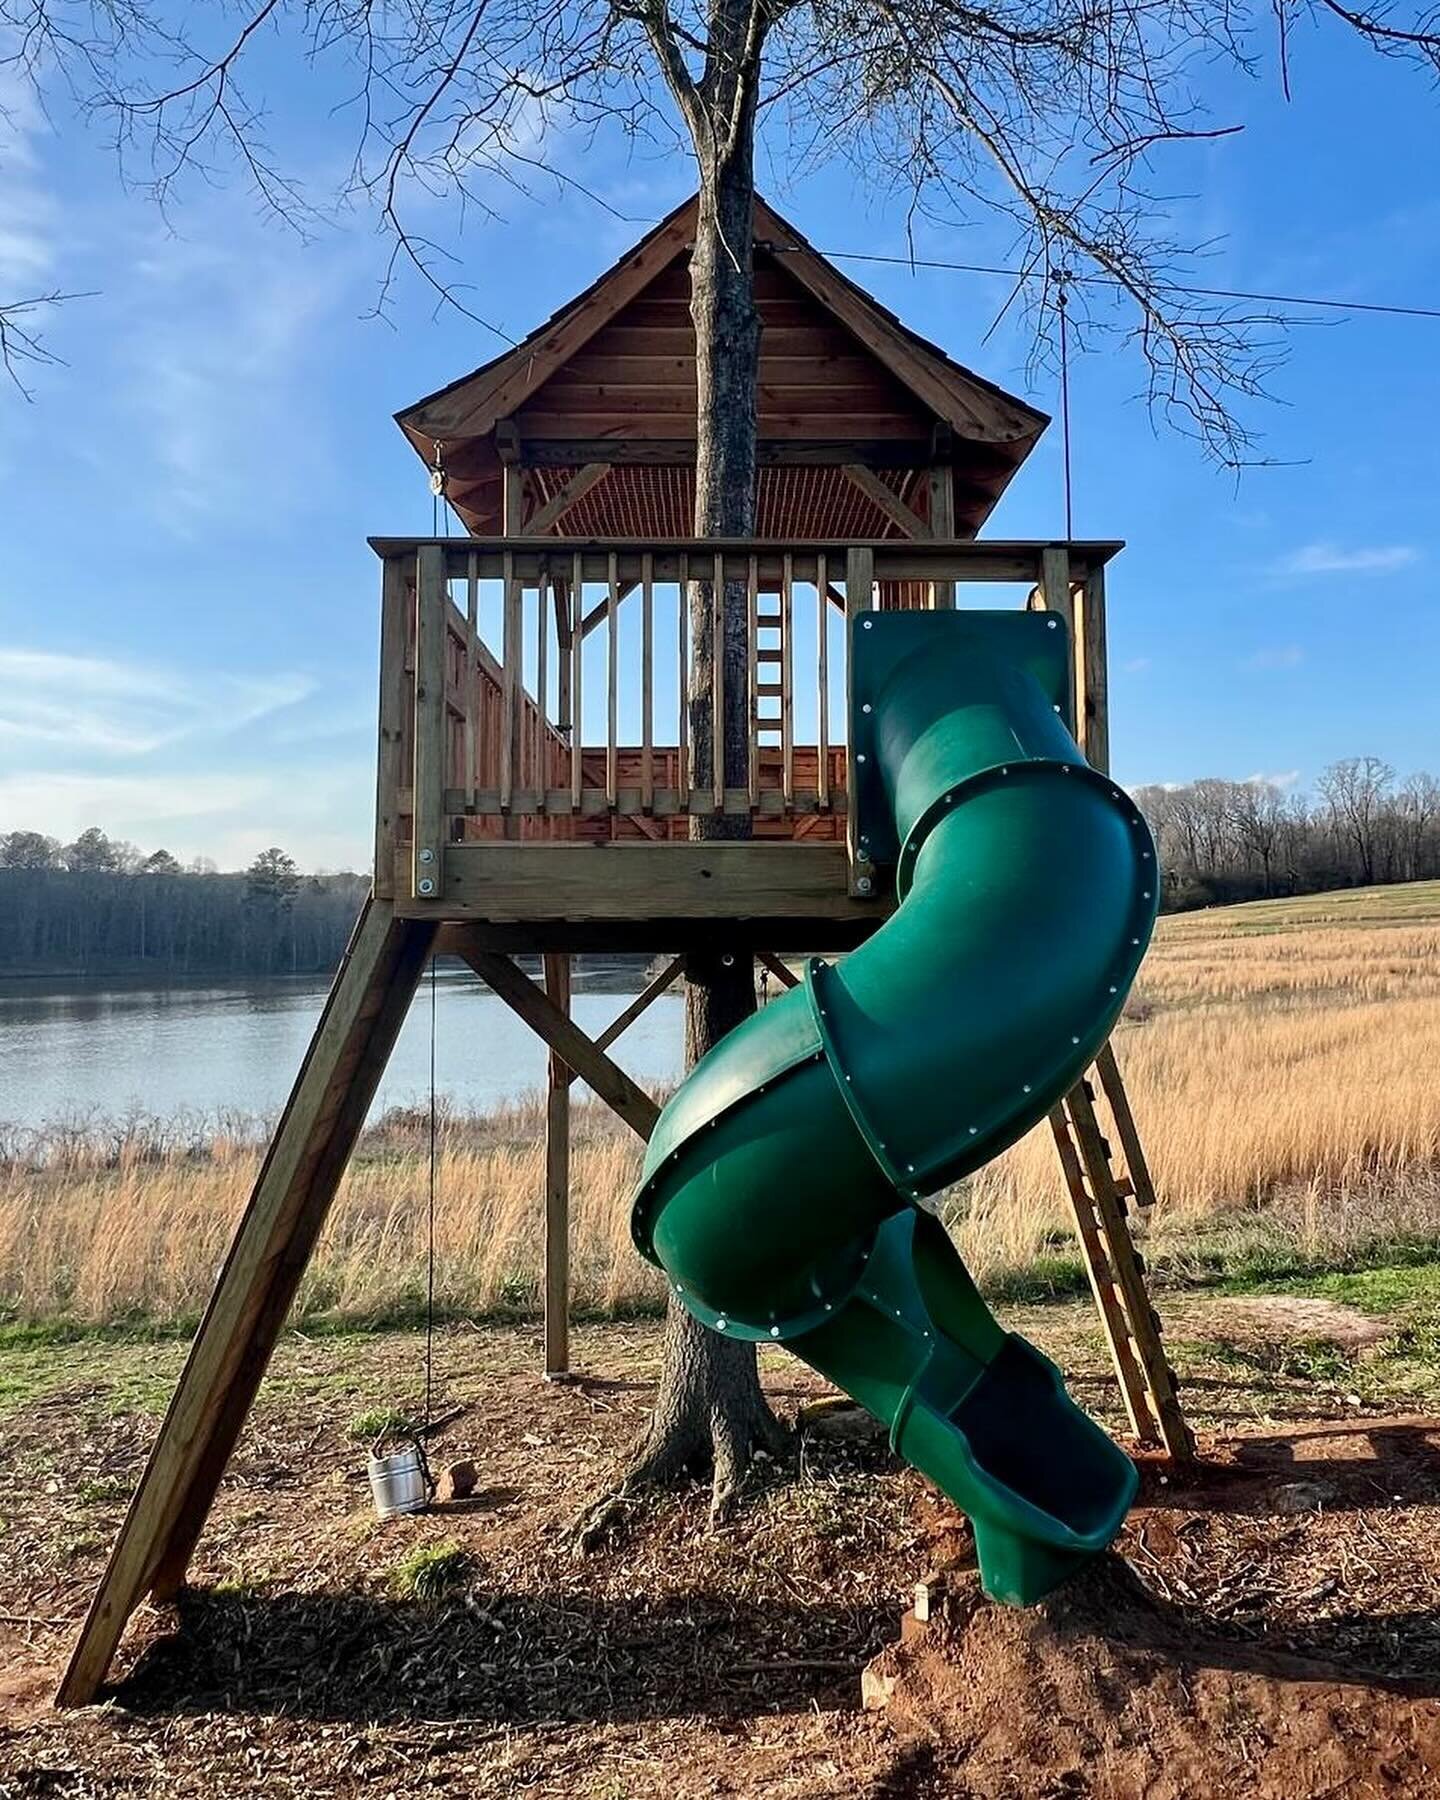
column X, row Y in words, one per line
column 557, row 1184
column 431, row 725
column 942, row 525
column 859, row 597
column 272, row 1245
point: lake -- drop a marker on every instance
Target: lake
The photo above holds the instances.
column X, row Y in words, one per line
column 104, row 1051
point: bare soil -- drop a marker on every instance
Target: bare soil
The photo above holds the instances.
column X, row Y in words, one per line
column 1270, row 1628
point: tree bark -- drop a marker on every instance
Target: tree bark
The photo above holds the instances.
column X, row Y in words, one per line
column 710, row 1412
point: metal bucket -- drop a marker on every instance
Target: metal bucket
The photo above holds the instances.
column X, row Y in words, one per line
column 399, row 1483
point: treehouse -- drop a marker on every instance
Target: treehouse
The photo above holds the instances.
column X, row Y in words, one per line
column 542, row 761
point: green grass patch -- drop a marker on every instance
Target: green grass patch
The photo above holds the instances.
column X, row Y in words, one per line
column 431, row 1572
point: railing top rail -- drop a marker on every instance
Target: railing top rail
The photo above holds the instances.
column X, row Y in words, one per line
column 1086, row 552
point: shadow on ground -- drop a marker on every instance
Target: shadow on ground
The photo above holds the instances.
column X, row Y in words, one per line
column 504, row 1658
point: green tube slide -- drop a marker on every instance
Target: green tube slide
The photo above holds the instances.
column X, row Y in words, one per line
column 784, row 1188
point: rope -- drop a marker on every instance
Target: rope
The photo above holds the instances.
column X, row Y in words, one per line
column 430, row 1228
column 1061, row 303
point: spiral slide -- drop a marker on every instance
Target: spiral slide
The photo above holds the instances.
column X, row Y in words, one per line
column 784, row 1190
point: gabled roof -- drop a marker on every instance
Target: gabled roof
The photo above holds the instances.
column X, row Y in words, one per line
column 905, row 387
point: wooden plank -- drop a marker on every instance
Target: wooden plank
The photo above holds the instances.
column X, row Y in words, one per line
column 717, row 682
column 887, row 500
column 427, row 871
column 557, row 1183
column 530, row 1003
column 612, row 675
column 542, row 684
column 766, row 878
column 577, row 647
column 647, row 684
column 666, row 801
column 1136, row 1165
column 940, row 481
column 1092, row 697
column 532, row 363
column 782, row 973
column 546, row 517
column 263, row 1268
column 981, row 413
column 1055, row 591
column 472, row 674
column 512, row 501
column 397, row 574
column 859, row 597
column 822, row 698
column 511, row 655
column 684, row 763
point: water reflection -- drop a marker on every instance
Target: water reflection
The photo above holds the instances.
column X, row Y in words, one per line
column 108, row 1050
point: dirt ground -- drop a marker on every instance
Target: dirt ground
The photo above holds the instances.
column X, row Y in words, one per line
column 1269, row 1628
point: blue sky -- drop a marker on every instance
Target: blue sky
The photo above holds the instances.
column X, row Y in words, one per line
column 187, row 603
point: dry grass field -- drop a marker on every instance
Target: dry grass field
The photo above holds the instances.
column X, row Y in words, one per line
column 1280, row 1058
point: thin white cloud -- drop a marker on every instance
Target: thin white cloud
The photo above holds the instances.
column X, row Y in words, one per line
column 1281, row 778
column 1279, row 656
column 324, row 819
column 1137, row 665
column 1331, row 559
column 27, row 211
column 118, row 709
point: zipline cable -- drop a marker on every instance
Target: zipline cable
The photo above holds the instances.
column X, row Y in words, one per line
column 1169, row 287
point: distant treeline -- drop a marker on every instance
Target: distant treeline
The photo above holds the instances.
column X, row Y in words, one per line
column 1222, row 841
column 99, row 907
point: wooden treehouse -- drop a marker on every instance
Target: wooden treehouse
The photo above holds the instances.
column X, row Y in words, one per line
column 538, row 773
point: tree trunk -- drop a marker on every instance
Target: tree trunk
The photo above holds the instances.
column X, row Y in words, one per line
column 710, row 1412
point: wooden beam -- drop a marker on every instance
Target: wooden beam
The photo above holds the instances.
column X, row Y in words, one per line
column 619, row 1025
column 544, row 518
column 782, row 973
column 267, row 1257
column 600, row 611
column 399, row 573
column 530, row 1002
column 941, row 495
column 887, row 500
column 427, row 867
column 469, row 409
column 557, row 1183
column 1092, row 696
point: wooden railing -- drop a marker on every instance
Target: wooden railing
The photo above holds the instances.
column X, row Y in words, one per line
column 540, row 689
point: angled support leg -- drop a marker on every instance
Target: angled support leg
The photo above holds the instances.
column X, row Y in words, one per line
column 272, row 1244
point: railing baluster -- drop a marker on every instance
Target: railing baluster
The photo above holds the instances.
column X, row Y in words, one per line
column 822, row 659
column 681, row 634
column 787, row 711
column 577, row 711
column 431, row 632
column 542, row 681
column 647, row 682
column 752, row 664
column 717, row 683
column 472, row 683
column 511, row 651
column 612, row 717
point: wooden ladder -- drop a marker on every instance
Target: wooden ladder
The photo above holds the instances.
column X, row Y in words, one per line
column 1103, row 1174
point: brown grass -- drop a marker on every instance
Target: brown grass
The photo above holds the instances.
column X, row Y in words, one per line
column 1280, row 1059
